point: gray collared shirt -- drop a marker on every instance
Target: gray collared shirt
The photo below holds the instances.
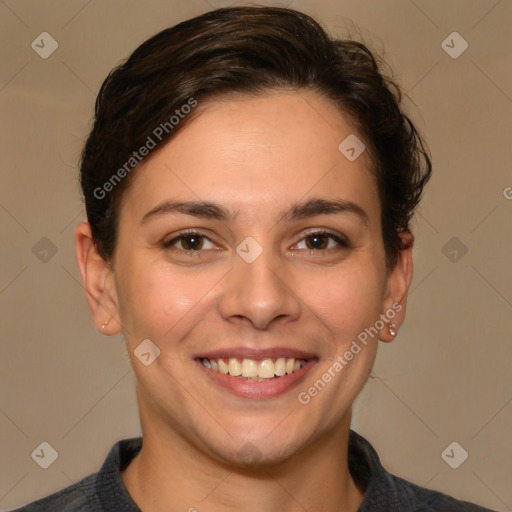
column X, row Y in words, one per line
column 104, row 491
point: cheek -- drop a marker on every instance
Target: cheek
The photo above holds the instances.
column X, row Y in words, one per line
column 159, row 302
column 346, row 300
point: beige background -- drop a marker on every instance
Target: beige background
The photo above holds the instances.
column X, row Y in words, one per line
column 445, row 378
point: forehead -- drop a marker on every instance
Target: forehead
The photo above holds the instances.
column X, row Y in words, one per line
column 255, row 153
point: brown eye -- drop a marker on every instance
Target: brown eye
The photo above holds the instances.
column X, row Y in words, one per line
column 189, row 242
column 192, row 242
column 321, row 241
column 317, row 241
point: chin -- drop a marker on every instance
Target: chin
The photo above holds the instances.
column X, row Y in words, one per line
column 260, row 455
column 257, row 447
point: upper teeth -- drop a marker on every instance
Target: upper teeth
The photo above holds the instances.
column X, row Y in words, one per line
column 251, row 369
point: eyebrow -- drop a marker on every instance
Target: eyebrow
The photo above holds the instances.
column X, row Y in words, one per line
column 210, row 210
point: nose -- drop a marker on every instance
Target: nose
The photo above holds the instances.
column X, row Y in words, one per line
column 259, row 293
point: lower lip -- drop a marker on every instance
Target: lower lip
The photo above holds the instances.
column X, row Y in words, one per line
column 258, row 390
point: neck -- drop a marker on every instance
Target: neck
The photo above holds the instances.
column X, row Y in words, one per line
column 169, row 474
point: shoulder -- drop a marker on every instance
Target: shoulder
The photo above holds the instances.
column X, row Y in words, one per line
column 384, row 491
column 77, row 497
column 401, row 495
column 101, row 491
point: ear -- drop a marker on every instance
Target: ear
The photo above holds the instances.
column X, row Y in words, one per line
column 399, row 281
column 98, row 281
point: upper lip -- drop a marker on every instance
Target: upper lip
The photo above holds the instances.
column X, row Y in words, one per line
column 255, row 354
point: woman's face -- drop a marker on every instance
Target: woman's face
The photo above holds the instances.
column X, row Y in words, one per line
column 252, row 236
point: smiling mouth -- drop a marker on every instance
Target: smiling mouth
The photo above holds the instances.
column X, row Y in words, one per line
column 254, row 370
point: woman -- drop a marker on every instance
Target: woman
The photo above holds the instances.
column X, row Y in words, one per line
column 249, row 184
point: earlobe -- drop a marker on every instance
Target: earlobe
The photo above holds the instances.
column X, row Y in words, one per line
column 97, row 279
column 399, row 281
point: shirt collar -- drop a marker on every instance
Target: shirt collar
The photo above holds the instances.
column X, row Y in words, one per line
column 363, row 463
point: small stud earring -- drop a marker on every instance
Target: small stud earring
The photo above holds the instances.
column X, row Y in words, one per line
column 104, row 325
column 392, row 329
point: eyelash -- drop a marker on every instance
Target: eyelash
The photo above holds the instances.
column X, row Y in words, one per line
column 341, row 241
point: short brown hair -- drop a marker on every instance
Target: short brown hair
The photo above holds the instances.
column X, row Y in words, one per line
column 251, row 50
